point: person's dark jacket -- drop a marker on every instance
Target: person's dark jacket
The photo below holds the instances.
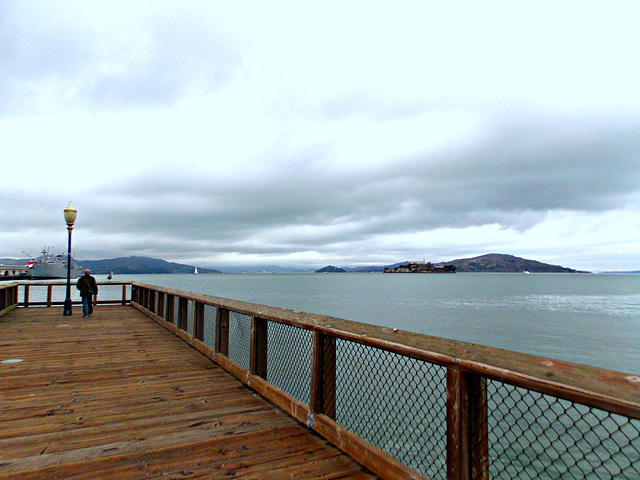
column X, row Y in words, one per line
column 87, row 286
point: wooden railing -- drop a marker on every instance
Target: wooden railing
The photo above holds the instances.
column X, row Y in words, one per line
column 489, row 413
column 50, row 294
column 8, row 297
column 471, row 374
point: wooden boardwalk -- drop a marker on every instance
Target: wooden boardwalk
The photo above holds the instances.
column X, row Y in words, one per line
column 115, row 396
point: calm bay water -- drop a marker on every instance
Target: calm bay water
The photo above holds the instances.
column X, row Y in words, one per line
column 590, row 319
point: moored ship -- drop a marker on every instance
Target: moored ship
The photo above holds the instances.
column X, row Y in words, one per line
column 51, row 265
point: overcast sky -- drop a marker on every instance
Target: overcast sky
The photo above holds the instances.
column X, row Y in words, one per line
column 221, row 133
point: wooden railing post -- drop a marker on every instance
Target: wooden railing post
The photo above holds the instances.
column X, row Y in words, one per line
column 171, row 305
column 259, row 340
column 152, row 301
column 467, row 441
column 479, row 427
column 323, row 375
column 161, row 309
column 222, row 331
column 26, row 295
column 124, row 293
column 198, row 320
column 49, row 294
column 183, row 309
column 143, row 297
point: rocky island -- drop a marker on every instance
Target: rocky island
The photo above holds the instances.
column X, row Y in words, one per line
column 421, row 267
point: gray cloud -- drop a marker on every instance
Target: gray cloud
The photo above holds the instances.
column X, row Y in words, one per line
column 200, row 132
column 514, row 179
column 75, row 65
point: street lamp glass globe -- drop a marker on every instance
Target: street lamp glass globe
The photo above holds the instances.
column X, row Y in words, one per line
column 70, row 214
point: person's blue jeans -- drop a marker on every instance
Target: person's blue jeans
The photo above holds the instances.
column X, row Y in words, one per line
column 87, row 305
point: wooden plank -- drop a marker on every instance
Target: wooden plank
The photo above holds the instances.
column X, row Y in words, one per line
column 114, row 396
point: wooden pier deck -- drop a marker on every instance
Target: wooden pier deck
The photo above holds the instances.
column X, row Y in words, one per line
column 115, row 396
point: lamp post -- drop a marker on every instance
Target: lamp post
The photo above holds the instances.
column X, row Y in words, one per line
column 69, row 217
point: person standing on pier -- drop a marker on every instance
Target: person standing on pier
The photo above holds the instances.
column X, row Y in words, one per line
column 88, row 289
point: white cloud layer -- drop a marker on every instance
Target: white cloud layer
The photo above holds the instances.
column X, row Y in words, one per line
column 219, row 133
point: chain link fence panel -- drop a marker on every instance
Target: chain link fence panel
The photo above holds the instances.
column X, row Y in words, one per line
column 395, row 402
column 289, row 359
column 538, row 436
column 240, row 339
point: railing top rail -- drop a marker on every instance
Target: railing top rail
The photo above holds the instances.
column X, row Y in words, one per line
column 64, row 282
column 617, row 392
column 8, row 285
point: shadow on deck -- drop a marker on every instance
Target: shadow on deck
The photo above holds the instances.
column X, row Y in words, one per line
column 115, row 396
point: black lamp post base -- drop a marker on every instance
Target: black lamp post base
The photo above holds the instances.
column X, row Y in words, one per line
column 66, row 310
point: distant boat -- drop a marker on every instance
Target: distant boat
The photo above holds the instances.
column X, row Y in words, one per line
column 110, row 276
column 51, row 265
column 195, row 272
column 526, row 272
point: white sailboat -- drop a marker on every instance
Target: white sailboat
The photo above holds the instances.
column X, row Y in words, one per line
column 195, row 272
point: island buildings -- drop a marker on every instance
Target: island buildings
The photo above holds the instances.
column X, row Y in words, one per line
column 421, row 267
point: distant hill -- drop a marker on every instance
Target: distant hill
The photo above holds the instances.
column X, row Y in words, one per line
column 502, row 263
column 331, row 269
column 139, row 265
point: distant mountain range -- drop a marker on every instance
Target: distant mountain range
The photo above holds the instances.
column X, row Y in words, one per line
column 140, row 265
column 127, row 265
column 493, row 262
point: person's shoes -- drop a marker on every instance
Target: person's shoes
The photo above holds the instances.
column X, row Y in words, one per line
column 85, row 316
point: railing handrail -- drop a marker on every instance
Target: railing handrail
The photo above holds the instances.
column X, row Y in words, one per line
column 64, row 282
column 609, row 390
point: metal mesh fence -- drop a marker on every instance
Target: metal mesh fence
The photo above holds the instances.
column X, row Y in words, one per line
column 289, row 359
column 240, row 339
column 210, row 325
column 395, row 402
column 532, row 435
column 190, row 308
